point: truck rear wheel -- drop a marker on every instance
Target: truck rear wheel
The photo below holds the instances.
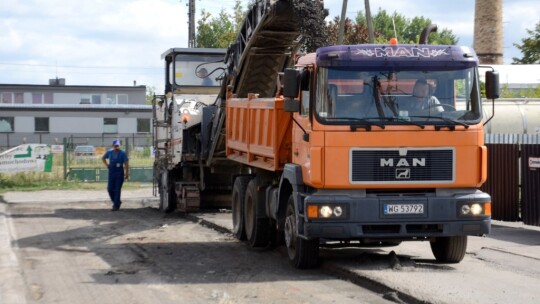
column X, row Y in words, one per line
column 302, row 253
column 449, row 249
column 257, row 226
column 167, row 195
column 237, row 206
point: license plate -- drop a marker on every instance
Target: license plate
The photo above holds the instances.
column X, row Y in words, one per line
column 403, row 208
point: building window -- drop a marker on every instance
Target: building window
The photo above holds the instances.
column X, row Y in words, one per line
column 85, row 99
column 96, row 99
column 111, row 99
column 41, row 98
column 7, row 124
column 42, row 124
column 143, row 125
column 110, row 125
column 8, row 97
column 122, row 98
column 90, row 99
column 117, row 99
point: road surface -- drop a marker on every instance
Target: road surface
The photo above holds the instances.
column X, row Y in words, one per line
column 67, row 247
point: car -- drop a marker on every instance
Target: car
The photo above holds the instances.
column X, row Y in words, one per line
column 84, row 151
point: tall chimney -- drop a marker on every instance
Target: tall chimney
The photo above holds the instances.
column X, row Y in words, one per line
column 488, row 31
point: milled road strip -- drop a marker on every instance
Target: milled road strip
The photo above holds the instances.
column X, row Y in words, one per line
column 330, row 268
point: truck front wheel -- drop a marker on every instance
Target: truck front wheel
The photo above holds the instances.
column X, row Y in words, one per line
column 449, row 249
column 302, row 253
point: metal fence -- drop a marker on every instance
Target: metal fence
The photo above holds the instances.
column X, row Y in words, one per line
column 89, row 168
column 514, row 177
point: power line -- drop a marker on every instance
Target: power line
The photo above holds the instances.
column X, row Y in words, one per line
column 80, row 67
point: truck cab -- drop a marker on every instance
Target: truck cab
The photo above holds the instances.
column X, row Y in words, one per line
column 193, row 79
column 374, row 161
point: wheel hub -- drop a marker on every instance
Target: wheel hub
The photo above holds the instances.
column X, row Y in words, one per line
column 290, row 231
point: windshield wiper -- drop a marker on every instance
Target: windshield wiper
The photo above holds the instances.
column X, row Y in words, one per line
column 404, row 121
column 362, row 123
column 452, row 127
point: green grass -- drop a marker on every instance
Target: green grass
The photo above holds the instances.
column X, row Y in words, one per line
column 35, row 181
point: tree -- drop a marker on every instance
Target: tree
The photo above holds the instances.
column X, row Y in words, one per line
column 529, row 47
column 406, row 30
column 216, row 32
column 150, row 91
column 355, row 33
column 219, row 32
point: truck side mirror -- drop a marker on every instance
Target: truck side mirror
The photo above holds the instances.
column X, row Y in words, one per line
column 492, row 84
column 291, row 83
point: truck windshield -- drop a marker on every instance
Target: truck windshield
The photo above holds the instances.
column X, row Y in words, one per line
column 198, row 69
column 398, row 97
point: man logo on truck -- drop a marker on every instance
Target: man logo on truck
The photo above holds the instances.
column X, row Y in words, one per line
column 403, row 173
column 403, row 162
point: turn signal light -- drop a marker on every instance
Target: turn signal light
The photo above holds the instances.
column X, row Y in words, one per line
column 487, row 208
column 312, row 211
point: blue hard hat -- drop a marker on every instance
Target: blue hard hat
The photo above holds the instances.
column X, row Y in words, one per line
column 116, row 142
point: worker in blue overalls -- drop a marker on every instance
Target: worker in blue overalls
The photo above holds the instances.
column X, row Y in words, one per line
column 118, row 171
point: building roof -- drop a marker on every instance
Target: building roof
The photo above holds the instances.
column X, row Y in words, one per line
column 69, row 87
column 77, row 107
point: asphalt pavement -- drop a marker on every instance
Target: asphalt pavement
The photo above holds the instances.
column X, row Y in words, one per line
column 506, row 239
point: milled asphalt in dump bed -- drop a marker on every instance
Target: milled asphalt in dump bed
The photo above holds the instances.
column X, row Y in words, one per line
column 503, row 267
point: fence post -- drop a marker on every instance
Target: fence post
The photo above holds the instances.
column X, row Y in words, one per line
column 65, row 158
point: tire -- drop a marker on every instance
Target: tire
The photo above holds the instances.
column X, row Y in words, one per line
column 449, row 249
column 167, row 195
column 257, row 227
column 302, row 253
column 237, row 206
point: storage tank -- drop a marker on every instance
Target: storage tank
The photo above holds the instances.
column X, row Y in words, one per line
column 517, row 116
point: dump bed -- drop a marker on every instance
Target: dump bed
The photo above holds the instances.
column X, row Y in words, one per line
column 258, row 132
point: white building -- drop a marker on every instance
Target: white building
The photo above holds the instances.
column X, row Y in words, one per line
column 48, row 113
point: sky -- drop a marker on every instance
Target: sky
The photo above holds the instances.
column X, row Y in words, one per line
column 119, row 42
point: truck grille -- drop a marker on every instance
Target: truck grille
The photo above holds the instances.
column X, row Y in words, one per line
column 369, row 166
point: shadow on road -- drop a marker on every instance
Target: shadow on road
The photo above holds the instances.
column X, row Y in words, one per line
column 515, row 235
column 142, row 245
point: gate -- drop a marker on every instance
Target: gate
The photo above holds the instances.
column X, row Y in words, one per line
column 503, row 181
column 514, row 173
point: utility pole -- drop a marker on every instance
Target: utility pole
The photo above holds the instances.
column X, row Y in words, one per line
column 342, row 23
column 191, row 30
column 369, row 22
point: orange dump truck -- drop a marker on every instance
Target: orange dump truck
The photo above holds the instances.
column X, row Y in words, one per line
column 356, row 145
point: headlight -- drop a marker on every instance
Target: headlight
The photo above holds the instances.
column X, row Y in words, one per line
column 476, row 209
column 325, row 211
column 473, row 209
column 333, row 211
column 338, row 211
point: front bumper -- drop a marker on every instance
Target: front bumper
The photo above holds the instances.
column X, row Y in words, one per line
column 365, row 217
